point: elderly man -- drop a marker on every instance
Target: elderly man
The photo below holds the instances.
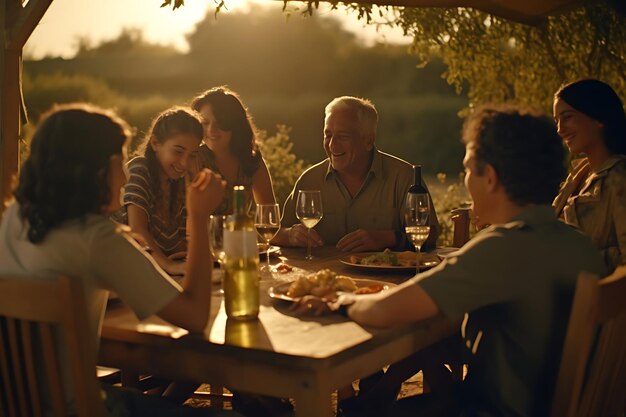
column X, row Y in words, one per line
column 363, row 190
column 515, row 279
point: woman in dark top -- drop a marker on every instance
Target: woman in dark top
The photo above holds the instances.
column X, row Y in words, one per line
column 230, row 147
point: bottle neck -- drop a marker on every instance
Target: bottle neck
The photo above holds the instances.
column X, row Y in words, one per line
column 417, row 173
column 417, row 187
column 238, row 200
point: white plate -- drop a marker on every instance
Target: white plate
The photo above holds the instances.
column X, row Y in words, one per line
column 428, row 261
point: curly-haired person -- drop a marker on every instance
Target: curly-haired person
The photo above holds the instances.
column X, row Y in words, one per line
column 59, row 225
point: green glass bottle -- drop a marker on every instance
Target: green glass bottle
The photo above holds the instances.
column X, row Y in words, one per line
column 241, row 265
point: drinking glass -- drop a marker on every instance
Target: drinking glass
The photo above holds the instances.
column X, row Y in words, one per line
column 267, row 223
column 416, row 220
column 216, row 240
column 309, row 212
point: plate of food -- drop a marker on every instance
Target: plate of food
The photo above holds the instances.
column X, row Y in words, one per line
column 325, row 284
column 390, row 260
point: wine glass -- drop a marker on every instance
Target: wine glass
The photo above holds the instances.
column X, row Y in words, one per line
column 216, row 240
column 267, row 223
column 416, row 219
column 309, row 212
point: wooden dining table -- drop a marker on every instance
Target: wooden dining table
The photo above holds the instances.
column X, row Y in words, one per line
column 280, row 354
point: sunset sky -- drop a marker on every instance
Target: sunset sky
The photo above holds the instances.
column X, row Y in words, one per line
column 68, row 20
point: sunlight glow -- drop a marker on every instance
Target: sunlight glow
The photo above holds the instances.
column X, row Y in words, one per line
column 67, row 22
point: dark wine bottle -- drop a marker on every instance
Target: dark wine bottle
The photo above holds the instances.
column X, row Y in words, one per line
column 417, row 187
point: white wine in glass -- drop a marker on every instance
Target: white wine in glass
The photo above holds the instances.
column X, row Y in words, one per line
column 267, row 224
column 416, row 220
column 309, row 212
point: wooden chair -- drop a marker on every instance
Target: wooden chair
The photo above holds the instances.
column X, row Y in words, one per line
column 460, row 235
column 30, row 313
column 592, row 374
column 461, row 226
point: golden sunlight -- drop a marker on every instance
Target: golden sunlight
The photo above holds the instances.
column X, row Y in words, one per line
column 69, row 23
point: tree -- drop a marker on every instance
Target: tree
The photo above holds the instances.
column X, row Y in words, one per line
column 503, row 61
column 283, row 164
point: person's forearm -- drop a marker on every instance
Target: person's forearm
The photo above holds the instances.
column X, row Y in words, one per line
column 197, row 280
column 155, row 251
column 405, row 303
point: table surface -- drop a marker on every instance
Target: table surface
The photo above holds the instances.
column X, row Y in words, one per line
column 279, row 354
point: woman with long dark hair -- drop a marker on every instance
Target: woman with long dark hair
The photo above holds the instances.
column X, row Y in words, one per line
column 230, row 148
column 591, row 121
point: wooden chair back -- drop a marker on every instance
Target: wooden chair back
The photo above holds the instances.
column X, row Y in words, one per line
column 461, row 226
column 592, row 375
column 31, row 313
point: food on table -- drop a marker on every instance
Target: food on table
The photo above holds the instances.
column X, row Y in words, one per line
column 284, row 268
column 324, row 283
column 387, row 258
column 372, row 289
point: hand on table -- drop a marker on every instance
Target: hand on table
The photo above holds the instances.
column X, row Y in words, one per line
column 359, row 241
column 298, row 236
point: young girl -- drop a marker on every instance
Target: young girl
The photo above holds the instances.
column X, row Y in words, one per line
column 59, row 225
column 230, row 147
column 154, row 197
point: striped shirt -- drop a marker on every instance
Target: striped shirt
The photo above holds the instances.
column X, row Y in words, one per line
column 170, row 235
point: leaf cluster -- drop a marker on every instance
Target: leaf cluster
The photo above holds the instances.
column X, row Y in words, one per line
column 502, row 61
column 497, row 60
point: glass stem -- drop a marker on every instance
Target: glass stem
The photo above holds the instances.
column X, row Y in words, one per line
column 268, row 255
column 418, row 254
column 219, row 269
column 308, row 246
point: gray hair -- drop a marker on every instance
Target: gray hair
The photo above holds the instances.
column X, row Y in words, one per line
column 365, row 111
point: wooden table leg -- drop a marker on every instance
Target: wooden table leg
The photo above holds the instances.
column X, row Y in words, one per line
column 313, row 400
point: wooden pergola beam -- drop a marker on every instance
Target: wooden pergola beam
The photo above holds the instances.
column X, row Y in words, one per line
column 17, row 22
column 28, row 18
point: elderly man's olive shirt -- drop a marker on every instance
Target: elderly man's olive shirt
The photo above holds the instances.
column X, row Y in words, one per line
column 378, row 205
column 516, row 281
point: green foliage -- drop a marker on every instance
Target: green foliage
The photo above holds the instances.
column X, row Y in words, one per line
column 447, row 196
column 43, row 91
column 502, row 61
column 130, row 42
column 497, row 60
column 283, row 164
column 423, row 130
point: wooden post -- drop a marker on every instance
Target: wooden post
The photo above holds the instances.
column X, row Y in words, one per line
column 9, row 124
column 17, row 22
